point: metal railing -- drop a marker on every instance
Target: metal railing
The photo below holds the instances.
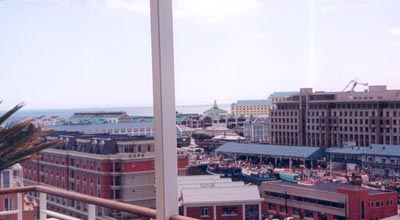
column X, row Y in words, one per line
column 90, row 200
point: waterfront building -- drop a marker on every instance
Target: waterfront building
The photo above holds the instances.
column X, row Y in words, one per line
column 132, row 128
column 334, row 119
column 327, row 201
column 275, row 154
column 100, row 117
column 44, row 121
column 259, row 108
column 117, row 167
column 212, row 117
column 256, row 130
column 189, row 120
column 215, row 116
column 378, row 160
column 211, row 197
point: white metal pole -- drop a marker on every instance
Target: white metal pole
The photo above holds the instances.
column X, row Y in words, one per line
column 243, row 212
column 91, row 212
column 19, row 206
column 164, row 108
column 43, row 205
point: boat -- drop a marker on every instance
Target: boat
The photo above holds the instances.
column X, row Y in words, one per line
column 225, row 170
column 289, row 176
column 258, row 175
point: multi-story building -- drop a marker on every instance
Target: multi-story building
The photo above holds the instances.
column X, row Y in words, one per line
column 258, row 108
column 116, row 167
column 331, row 119
column 377, row 159
column 100, row 117
column 132, row 128
column 212, row 117
column 256, row 130
column 213, row 198
column 327, row 201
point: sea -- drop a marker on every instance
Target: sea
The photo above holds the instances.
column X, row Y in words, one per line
column 132, row 111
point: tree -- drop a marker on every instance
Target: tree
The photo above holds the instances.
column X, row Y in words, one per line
column 21, row 140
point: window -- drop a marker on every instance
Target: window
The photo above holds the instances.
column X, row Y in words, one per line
column 204, row 211
column 229, row 210
column 7, row 204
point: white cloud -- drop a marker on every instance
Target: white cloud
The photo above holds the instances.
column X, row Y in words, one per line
column 139, row 6
column 327, row 8
column 213, row 11
column 395, row 31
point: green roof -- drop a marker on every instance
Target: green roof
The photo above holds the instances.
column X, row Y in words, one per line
column 215, row 110
column 283, row 94
column 252, row 102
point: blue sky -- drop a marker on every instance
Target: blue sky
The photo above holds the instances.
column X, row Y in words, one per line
column 96, row 53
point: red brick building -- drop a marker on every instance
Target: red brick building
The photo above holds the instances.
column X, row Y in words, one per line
column 327, row 201
column 114, row 167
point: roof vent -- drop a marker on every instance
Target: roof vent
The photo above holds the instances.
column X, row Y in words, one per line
column 383, row 148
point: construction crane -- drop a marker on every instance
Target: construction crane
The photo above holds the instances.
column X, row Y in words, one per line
column 352, row 85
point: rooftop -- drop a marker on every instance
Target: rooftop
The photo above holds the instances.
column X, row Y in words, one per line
column 252, row 102
column 312, row 153
column 325, row 186
column 225, row 195
column 283, row 94
column 374, row 149
column 215, row 110
column 87, row 127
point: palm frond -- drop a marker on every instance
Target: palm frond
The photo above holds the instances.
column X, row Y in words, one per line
column 4, row 117
column 21, row 140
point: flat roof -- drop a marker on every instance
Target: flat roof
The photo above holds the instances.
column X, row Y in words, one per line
column 374, row 149
column 283, row 94
column 325, row 186
column 252, row 102
column 311, row 153
column 86, row 127
column 237, row 194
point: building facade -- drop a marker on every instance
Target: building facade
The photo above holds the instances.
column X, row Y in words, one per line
column 338, row 118
column 256, row 130
column 378, row 160
column 327, row 201
column 258, row 108
column 210, row 197
column 107, row 166
column 100, row 117
column 212, row 117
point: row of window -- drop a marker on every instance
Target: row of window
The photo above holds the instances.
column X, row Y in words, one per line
column 85, row 163
column 306, row 199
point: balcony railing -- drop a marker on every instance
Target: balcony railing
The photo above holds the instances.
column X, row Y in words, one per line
column 90, row 200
